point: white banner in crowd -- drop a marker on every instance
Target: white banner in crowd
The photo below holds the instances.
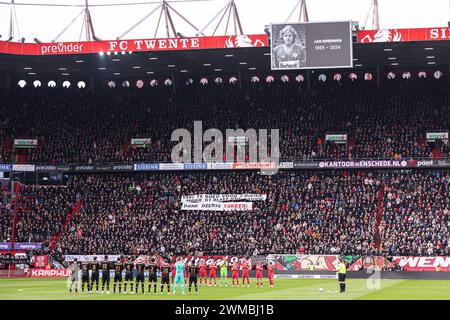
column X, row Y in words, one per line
column 196, row 198
column 218, row 206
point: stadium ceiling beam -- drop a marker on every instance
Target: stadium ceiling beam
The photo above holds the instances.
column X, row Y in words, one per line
column 303, row 12
column 375, row 18
column 12, row 20
column 231, row 9
column 87, row 25
column 166, row 9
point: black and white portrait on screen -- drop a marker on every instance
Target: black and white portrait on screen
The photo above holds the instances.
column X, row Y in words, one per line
column 288, row 46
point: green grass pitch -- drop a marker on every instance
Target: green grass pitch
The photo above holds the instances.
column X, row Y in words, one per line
column 285, row 289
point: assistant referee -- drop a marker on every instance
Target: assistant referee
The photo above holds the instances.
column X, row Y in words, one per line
column 342, row 274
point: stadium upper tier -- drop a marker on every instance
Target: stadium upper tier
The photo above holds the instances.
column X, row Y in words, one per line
column 389, row 121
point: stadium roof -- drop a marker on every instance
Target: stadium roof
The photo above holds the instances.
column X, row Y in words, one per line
column 386, row 56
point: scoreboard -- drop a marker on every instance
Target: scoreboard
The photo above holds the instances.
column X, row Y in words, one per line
column 311, row 45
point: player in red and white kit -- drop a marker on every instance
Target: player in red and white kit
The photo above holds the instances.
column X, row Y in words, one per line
column 212, row 272
column 202, row 266
column 259, row 274
column 270, row 272
column 245, row 267
column 235, row 274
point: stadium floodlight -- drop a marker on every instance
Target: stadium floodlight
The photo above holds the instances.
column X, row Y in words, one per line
column 233, row 80
column 51, row 84
column 101, row 53
column 438, row 74
column 322, row 77
column 81, row 84
column 300, row 78
column 284, row 78
column 153, row 83
column 108, row 53
column 168, row 82
column 66, row 84
column 139, row 84
column 337, row 77
column 204, row 81
column 22, row 83
column 126, row 84
column 391, row 75
column 116, row 53
column 37, row 83
column 254, row 79
column 406, row 75
column 270, row 79
column 123, row 52
column 422, row 74
column 111, row 84
column 368, row 76
column 352, row 76
column 218, row 80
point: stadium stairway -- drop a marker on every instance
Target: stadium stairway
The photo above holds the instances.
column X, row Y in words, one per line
column 74, row 211
column 379, row 215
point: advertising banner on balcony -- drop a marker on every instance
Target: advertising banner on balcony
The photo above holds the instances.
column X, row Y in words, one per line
column 336, row 137
column 141, row 142
column 437, row 135
column 25, row 143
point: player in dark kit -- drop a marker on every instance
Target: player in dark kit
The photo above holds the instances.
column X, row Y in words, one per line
column 193, row 275
column 85, row 266
column 152, row 269
column 129, row 266
column 165, row 275
column 118, row 267
column 140, row 268
column 95, row 266
column 106, row 266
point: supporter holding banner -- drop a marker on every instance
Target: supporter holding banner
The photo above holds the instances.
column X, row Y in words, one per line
column 218, row 206
column 223, row 197
column 40, row 261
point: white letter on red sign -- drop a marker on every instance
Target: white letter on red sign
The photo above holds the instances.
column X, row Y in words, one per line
column 138, row 44
column 123, row 45
column 194, row 43
column 112, row 45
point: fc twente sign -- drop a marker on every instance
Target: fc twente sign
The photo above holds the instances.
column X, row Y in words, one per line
column 134, row 45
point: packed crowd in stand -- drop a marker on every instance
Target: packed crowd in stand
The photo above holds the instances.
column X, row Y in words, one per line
column 325, row 212
column 75, row 125
column 310, row 212
column 416, row 214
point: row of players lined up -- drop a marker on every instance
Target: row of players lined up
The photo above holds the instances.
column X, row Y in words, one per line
column 178, row 271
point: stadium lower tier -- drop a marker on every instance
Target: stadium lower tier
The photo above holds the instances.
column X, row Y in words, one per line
column 311, row 212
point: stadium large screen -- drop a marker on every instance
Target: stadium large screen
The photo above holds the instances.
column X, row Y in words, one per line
column 311, row 45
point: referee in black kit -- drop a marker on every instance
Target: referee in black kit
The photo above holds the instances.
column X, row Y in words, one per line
column 342, row 274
